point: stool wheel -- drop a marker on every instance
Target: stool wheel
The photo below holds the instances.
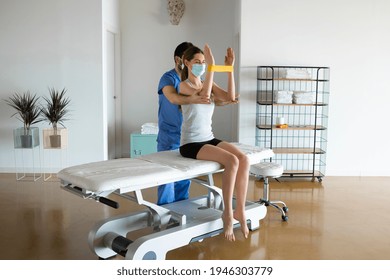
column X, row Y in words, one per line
column 285, row 218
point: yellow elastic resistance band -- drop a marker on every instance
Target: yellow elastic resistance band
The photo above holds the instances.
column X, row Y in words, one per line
column 220, row 68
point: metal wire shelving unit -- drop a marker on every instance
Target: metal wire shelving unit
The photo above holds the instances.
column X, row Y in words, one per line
column 300, row 145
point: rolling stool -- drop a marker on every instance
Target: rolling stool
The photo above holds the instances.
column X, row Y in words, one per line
column 267, row 170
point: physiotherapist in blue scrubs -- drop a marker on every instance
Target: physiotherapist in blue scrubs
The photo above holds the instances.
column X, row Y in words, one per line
column 169, row 123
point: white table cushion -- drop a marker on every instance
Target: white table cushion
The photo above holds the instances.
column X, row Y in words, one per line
column 129, row 174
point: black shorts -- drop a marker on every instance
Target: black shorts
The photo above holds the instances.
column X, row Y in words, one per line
column 191, row 150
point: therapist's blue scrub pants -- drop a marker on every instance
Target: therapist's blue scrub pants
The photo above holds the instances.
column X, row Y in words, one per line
column 171, row 192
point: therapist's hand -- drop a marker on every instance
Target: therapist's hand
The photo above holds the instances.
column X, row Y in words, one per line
column 198, row 99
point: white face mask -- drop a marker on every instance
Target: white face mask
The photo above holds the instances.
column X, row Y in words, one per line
column 198, row 69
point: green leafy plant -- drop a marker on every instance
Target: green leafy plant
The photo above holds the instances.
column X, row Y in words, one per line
column 56, row 108
column 27, row 109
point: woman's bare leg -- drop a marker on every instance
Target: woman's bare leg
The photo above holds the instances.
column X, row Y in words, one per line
column 230, row 162
column 241, row 185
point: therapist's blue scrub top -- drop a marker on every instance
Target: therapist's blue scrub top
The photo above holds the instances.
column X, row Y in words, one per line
column 169, row 115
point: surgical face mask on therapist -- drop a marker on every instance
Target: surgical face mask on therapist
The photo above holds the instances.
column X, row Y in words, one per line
column 198, row 69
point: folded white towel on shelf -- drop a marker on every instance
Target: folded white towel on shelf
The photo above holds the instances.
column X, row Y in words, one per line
column 149, row 128
column 296, row 74
column 283, row 96
column 304, row 97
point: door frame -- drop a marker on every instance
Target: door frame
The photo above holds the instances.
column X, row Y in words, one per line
column 118, row 92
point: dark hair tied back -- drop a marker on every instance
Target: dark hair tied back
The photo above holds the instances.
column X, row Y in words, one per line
column 188, row 55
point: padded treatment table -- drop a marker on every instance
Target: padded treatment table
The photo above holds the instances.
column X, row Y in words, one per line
column 169, row 226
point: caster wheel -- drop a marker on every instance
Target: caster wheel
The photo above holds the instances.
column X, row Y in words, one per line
column 320, row 179
column 285, row 209
column 285, row 218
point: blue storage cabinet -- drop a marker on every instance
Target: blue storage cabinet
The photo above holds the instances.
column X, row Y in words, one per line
column 142, row 144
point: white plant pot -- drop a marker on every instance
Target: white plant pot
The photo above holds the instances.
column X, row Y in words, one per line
column 55, row 141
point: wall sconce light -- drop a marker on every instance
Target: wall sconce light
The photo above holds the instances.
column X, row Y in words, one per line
column 175, row 10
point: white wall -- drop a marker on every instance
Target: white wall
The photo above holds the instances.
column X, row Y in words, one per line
column 47, row 43
column 352, row 38
column 148, row 43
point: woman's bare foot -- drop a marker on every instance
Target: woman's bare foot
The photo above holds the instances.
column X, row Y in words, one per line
column 240, row 217
column 228, row 227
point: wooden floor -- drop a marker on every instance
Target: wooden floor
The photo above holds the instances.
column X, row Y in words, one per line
column 340, row 218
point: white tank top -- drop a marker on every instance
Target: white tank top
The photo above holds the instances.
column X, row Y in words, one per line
column 197, row 120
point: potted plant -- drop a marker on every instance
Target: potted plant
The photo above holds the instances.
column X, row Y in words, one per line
column 27, row 111
column 54, row 111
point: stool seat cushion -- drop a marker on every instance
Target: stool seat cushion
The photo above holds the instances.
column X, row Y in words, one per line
column 267, row 169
